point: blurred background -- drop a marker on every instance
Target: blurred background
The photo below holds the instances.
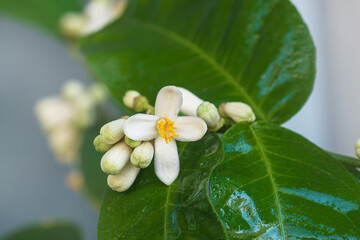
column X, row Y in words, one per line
column 33, row 65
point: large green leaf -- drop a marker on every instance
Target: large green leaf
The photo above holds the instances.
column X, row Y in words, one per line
column 95, row 179
column 259, row 52
column 351, row 164
column 151, row 210
column 42, row 13
column 50, row 230
column 274, row 184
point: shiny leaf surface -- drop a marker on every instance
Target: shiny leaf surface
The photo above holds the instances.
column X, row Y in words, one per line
column 51, row 230
column 351, row 164
column 41, row 13
column 151, row 210
column 274, row 184
column 259, row 52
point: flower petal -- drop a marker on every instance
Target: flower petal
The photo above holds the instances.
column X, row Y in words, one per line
column 167, row 164
column 190, row 129
column 141, row 127
column 190, row 102
column 168, row 102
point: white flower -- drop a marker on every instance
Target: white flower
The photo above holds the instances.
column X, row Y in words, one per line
column 164, row 127
column 190, row 102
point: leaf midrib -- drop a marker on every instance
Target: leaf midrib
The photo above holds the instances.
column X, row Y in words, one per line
column 276, row 196
column 195, row 48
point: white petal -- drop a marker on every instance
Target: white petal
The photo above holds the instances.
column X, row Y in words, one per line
column 190, row 102
column 190, row 129
column 168, row 102
column 141, row 127
column 167, row 164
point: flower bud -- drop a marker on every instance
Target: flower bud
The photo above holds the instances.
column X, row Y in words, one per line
column 98, row 93
column 237, row 111
column 357, row 148
column 72, row 24
column 209, row 113
column 74, row 180
column 72, row 90
column 190, row 102
column 141, row 104
column 116, row 158
column 123, row 181
column 85, row 116
column 100, row 146
column 142, row 155
column 132, row 143
column 112, row 132
column 129, row 98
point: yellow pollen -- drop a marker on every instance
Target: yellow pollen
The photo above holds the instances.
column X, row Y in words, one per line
column 166, row 127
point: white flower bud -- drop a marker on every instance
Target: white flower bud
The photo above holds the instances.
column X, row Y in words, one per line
column 142, row 155
column 74, row 180
column 72, row 90
column 98, row 93
column 100, row 146
column 357, row 148
column 237, row 111
column 72, row 24
column 209, row 113
column 129, row 98
column 85, row 112
column 132, row 143
column 116, row 158
column 112, row 132
column 190, row 102
column 123, row 181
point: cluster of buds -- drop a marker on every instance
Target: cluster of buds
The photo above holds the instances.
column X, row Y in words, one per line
column 130, row 143
column 357, row 148
column 63, row 117
column 96, row 15
column 123, row 156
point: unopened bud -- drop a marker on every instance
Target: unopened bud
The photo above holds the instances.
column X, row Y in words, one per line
column 112, row 132
column 132, row 143
column 237, row 111
column 141, row 104
column 98, row 93
column 142, row 155
column 72, row 90
column 190, row 102
column 357, row 148
column 116, row 158
column 100, row 146
column 72, row 24
column 129, row 98
column 125, row 117
column 209, row 113
column 123, row 181
column 74, row 180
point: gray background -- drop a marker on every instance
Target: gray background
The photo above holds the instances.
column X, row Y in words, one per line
column 33, row 65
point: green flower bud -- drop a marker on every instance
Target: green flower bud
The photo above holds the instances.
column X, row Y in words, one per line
column 209, row 113
column 237, row 111
column 141, row 104
column 116, row 158
column 132, row 143
column 142, row 155
column 123, row 181
column 129, row 98
column 72, row 24
column 112, row 132
column 357, row 148
column 100, row 146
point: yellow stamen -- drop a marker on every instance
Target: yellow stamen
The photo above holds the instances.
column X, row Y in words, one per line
column 166, row 127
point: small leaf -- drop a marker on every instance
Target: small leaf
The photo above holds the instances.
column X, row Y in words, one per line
column 274, row 184
column 42, row 13
column 259, row 52
column 47, row 230
column 151, row 210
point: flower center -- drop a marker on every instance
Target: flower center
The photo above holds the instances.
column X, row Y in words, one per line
column 166, row 129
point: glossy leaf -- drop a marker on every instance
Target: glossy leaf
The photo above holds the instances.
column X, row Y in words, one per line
column 259, row 52
column 41, row 13
column 274, row 184
column 152, row 210
column 351, row 164
column 47, row 230
column 95, row 179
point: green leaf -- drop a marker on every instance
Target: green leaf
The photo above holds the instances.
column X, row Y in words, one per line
column 41, row 13
column 274, row 184
column 259, row 52
column 94, row 178
column 47, row 230
column 152, row 210
column 351, row 164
